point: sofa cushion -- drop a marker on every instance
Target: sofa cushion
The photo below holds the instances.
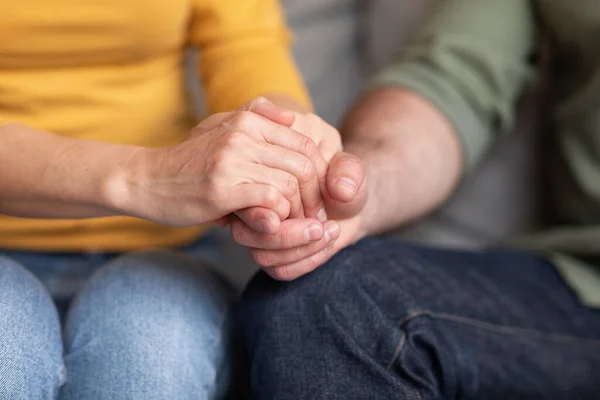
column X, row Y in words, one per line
column 327, row 49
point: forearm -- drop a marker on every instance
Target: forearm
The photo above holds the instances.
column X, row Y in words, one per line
column 412, row 157
column 48, row 176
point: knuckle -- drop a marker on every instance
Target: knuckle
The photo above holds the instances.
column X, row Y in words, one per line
column 271, row 197
column 284, row 237
column 352, row 159
column 219, row 159
column 306, row 171
column 241, row 119
column 307, row 145
column 236, row 139
column 215, row 193
column 352, row 165
column 290, row 186
column 219, row 169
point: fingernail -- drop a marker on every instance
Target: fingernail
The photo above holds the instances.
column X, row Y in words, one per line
column 322, row 215
column 332, row 231
column 347, row 185
column 264, row 225
column 313, row 232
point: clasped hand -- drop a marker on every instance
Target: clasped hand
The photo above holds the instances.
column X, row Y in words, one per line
column 325, row 189
column 277, row 177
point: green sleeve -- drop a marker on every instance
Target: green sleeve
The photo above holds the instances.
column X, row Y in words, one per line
column 472, row 60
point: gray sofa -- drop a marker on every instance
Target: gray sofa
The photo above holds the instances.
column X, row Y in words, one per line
column 339, row 44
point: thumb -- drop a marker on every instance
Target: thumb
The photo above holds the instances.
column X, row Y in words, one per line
column 346, row 186
column 265, row 108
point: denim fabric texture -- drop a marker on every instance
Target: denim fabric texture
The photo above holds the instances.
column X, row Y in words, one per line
column 146, row 325
column 389, row 320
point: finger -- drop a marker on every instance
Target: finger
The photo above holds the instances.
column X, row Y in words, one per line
column 331, row 144
column 328, row 138
column 299, row 143
column 295, row 270
column 344, row 177
column 265, row 130
column 303, row 169
column 270, row 111
column 270, row 258
column 260, row 106
column 292, row 233
column 347, row 191
column 270, row 173
column 260, row 219
column 247, row 195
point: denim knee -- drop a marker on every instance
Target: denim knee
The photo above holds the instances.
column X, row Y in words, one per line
column 30, row 338
column 353, row 285
column 269, row 305
column 157, row 322
column 373, row 268
column 267, row 296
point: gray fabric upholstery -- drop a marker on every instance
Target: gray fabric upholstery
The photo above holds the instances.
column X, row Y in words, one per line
column 327, row 48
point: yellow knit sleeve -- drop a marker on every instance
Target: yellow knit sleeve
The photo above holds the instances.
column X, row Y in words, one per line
column 244, row 52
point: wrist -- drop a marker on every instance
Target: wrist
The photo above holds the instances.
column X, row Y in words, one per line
column 126, row 185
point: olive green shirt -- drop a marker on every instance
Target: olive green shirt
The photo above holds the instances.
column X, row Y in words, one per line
column 474, row 58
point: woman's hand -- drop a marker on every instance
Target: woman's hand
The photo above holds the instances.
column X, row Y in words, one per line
column 328, row 141
column 232, row 161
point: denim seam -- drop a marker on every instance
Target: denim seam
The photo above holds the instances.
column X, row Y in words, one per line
column 397, row 350
column 501, row 329
column 402, row 340
column 399, row 347
column 493, row 328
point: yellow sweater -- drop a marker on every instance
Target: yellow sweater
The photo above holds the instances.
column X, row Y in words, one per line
column 111, row 70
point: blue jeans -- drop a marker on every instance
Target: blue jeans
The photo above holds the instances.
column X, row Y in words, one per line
column 388, row 320
column 146, row 325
